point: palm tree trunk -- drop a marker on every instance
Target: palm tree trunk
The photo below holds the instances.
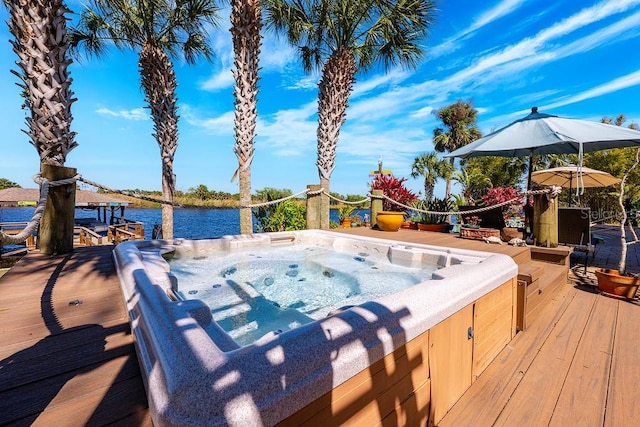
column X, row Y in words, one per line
column 245, row 31
column 159, row 84
column 336, row 84
column 447, row 193
column 41, row 43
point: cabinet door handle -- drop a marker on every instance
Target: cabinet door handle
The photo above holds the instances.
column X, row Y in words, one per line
column 470, row 333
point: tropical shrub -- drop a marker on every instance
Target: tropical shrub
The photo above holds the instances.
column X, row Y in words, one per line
column 288, row 215
column 435, row 205
column 394, row 189
column 498, row 195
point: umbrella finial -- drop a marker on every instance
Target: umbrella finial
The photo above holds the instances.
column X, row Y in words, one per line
column 534, row 109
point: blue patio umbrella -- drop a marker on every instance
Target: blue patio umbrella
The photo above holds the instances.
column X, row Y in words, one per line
column 539, row 133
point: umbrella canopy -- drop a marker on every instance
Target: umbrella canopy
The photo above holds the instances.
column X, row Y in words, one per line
column 570, row 177
column 539, row 133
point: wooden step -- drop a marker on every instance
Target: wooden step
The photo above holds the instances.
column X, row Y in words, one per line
column 553, row 278
column 559, row 255
column 537, row 283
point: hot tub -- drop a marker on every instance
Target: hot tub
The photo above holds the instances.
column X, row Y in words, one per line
column 196, row 374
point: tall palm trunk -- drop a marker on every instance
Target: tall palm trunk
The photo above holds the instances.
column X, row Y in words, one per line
column 447, row 192
column 338, row 77
column 41, row 43
column 245, row 32
column 159, row 85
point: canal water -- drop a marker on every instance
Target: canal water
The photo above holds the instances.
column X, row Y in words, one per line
column 188, row 223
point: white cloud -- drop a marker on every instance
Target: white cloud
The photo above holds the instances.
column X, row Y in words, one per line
column 502, row 9
column 220, row 80
column 623, row 82
column 135, row 114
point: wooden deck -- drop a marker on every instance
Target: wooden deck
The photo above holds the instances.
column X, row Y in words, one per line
column 63, row 362
column 75, row 364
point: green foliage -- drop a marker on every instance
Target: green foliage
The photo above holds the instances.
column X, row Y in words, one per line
column 492, row 171
column 285, row 216
column 345, row 211
column 201, row 192
column 376, row 31
column 432, row 168
column 434, row 205
column 459, row 120
column 5, row 183
column 269, row 193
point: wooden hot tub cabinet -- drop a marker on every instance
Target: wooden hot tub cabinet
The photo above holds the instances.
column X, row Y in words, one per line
column 419, row 382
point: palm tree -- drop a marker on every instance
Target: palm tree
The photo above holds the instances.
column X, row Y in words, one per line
column 41, row 43
column 342, row 37
column 157, row 30
column 473, row 182
column 459, row 119
column 246, row 17
column 431, row 168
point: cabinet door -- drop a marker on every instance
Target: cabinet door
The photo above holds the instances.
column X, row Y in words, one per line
column 450, row 360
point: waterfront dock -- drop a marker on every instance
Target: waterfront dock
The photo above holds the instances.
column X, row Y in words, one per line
column 67, row 355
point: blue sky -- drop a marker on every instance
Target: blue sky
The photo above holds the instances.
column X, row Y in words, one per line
column 570, row 58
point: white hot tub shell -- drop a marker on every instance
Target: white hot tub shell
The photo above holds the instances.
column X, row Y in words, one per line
column 196, row 374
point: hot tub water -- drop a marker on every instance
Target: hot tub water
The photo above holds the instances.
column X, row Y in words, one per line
column 255, row 291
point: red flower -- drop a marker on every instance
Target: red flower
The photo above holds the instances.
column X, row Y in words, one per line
column 393, row 188
column 500, row 195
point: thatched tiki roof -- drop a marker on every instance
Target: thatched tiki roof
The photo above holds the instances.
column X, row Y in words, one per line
column 29, row 197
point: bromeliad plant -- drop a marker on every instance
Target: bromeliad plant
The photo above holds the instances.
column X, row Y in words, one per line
column 498, row 195
column 394, row 189
column 437, row 207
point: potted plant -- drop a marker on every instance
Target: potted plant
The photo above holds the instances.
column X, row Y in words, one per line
column 356, row 220
column 620, row 282
column 344, row 215
column 392, row 214
column 432, row 217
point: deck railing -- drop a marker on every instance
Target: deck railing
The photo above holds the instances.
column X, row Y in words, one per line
column 13, row 228
column 127, row 230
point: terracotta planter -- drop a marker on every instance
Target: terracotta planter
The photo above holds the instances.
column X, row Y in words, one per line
column 478, row 233
column 346, row 223
column 509, row 233
column 439, row 228
column 409, row 225
column 611, row 282
column 389, row 220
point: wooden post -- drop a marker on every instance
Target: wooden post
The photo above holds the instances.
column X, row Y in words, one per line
column 314, row 202
column 545, row 220
column 325, row 207
column 376, row 206
column 56, row 225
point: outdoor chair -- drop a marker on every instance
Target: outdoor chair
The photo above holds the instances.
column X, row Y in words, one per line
column 574, row 230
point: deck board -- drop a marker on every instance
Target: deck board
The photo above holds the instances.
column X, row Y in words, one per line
column 623, row 402
column 576, row 364
column 62, row 363
column 584, row 394
column 548, row 371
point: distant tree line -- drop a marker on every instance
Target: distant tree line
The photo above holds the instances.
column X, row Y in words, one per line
column 5, row 183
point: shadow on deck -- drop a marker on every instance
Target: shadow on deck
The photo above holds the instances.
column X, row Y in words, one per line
column 66, row 350
column 72, row 363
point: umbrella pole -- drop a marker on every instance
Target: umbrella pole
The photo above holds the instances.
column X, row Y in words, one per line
column 528, row 211
column 570, row 187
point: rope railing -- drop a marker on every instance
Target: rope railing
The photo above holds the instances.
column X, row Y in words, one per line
column 552, row 191
column 45, row 184
column 32, row 224
column 355, row 203
column 273, row 202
